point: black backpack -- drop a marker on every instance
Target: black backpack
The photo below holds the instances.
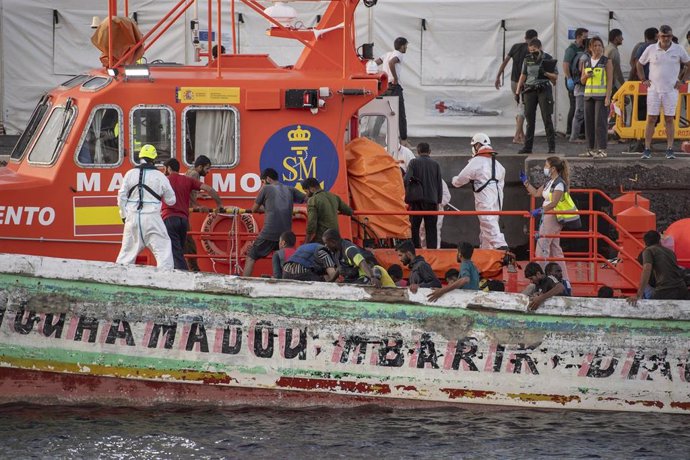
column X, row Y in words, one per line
column 575, row 66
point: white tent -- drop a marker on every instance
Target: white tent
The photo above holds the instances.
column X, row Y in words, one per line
column 455, row 49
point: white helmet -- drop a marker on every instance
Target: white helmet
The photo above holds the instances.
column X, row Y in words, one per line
column 482, row 139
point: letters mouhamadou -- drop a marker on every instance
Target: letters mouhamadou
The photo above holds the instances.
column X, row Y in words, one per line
column 76, row 328
column 96, row 332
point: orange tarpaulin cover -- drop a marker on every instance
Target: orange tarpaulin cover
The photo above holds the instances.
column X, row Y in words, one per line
column 489, row 262
column 126, row 35
column 376, row 184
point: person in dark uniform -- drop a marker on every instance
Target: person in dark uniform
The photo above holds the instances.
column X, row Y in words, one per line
column 535, row 85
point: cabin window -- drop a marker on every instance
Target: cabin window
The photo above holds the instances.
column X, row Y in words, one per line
column 100, row 143
column 95, row 83
column 211, row 131
column 34, row 122
column 53, row 135
column 75, row 81
column 374, row 127
column 155, row 126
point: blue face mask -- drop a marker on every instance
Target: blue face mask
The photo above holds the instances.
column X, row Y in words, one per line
column 547, row 172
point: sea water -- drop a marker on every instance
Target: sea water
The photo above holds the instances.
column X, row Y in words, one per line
column 364, row 432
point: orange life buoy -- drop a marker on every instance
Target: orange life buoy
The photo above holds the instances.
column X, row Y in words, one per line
column 215, row 223
column 226, row 222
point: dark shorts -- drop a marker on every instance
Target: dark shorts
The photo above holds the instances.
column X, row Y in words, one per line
column 680, row 293
column 299, row 275
column 261, row 248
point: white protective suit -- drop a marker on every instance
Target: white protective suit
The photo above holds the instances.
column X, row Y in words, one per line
column 490, row 199
column 144, row 227
column 445, row 199
column 403, row 156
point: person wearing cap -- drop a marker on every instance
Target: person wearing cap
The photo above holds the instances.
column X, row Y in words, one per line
column 487, row 177
column 139, row 199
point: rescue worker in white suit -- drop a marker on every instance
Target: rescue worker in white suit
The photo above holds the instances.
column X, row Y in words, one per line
column 487, row 177
column 139, row 200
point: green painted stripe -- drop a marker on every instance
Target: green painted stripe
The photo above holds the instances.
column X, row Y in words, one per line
column 59, row 355
column 113, row 297
column 62, row 356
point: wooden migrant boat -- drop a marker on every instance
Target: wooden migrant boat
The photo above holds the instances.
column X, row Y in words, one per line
column 76, row 332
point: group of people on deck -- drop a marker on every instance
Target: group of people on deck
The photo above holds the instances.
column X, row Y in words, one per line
column 155, row 208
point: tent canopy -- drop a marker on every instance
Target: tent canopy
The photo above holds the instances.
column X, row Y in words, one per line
column 455, row 48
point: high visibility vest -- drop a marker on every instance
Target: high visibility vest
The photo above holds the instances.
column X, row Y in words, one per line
column 566, row 204
column 596, row 84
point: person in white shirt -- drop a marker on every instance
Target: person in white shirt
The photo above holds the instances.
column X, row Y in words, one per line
column 139, row 199
column 487, row 177
column 402, row 155
column 664, row 60
column 391, row 63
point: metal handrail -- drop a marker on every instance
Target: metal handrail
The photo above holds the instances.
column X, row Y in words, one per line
column 592, row 234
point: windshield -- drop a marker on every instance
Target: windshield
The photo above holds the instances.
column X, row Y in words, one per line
column 53, row 135
column 28, row 134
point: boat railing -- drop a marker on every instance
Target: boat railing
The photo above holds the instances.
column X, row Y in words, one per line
column 595, row 263
column 162, row 26
column 592, row 259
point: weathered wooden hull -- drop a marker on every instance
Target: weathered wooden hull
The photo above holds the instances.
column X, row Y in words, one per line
column 89, row 332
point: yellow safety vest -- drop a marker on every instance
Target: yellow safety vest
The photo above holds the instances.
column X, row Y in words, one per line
column 566, row 204
column 596, row 84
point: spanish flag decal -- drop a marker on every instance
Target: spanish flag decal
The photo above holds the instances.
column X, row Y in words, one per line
column 96, row 215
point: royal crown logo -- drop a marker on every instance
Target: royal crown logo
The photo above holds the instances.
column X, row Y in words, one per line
column 299, row 134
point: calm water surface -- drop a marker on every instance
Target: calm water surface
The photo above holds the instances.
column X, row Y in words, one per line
column 369, row 432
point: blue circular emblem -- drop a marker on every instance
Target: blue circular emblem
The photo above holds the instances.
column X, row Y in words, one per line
column 298, row 152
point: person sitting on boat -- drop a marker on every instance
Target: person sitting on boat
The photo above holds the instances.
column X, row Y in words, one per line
column 396, row 273
column 468, row 277
column 452, row 275
column 379, row 272
column 322, row 209
column 555, row 270
column 139, row 200
column 176, row 217
column 542, row 287
column 286, row 243
column 310, row 262
column 276, row 199
column 349, row 259
column 662, row 263
column 487, row 177
column 605, row 292
column 421, row 273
